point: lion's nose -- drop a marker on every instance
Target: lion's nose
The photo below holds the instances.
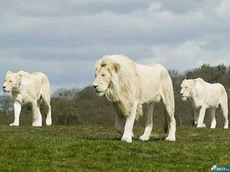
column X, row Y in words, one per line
column 3, row 87
column 95, row 86
column 181, row 94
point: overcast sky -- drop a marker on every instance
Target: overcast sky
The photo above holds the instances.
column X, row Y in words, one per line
column 65, row 38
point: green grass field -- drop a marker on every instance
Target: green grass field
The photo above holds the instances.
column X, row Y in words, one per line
column 98, row 148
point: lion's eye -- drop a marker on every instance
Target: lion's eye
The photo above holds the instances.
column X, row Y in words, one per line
column 10, row 81
column 103, row 75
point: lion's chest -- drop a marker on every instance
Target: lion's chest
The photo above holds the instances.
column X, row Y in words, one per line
column 198, row 103
column 22, row 97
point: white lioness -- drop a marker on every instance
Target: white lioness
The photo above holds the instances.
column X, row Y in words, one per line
column 29, row 88
column 204, row 95
column 128, row 86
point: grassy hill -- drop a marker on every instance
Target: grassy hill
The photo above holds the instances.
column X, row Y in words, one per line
column 98, row 148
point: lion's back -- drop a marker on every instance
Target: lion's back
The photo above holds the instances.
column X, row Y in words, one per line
column 40, row 77
column 216, row 93
column 155, row 81
column 121, row 59
column 36, row 83
column 210, row 94
column 42, row 80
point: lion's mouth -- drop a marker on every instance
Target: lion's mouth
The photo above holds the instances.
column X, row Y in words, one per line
column 5, row 90
column 184, row 98
column 99, row 92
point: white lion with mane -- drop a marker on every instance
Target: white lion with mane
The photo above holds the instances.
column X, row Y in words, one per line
column 29, row 88
column 202, row 96
column 128, row 86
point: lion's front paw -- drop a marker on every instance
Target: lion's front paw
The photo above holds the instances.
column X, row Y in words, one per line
column 225, row 126
column 48, row 122
column 37, row 124
column 127, row 139
column 201, row 126
column 144, row 138
column 14, row 124
column 170, row 138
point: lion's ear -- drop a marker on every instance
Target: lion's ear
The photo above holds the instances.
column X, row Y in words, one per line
column 98, row 64
column 116, row 67
column 19, row 76
column 193, row 83
column 185, row 80
column 8, row 73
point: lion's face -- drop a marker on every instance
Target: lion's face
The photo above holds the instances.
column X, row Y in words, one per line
column 12, row 81
column 102, row 81
column 105, row 69
column 186, row 89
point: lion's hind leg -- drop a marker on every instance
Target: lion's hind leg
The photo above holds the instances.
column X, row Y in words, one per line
column 213, row 118
column 224, row 109
column 149, row 122
column 171, row 123
column 37, row 117
column 48, row 117
column 46, row 99
column 168, row 101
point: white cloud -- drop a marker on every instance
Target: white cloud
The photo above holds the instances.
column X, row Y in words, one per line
column 188, row 55
column 61, row 73
column 65, row 38
column 224, row 8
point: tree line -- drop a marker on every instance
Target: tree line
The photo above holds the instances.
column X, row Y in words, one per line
column 82, row 106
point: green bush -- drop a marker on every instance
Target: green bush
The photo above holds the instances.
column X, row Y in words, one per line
column 69, row 116
column 75, row 106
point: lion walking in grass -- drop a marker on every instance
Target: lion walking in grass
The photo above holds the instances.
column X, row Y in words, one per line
column 128, row 86
column 202, row 96
column 29, row 88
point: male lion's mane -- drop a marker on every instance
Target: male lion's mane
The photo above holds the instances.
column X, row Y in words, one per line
column 124, row 88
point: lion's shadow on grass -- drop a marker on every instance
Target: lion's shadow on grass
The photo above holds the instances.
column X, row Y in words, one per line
column 153, row 139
